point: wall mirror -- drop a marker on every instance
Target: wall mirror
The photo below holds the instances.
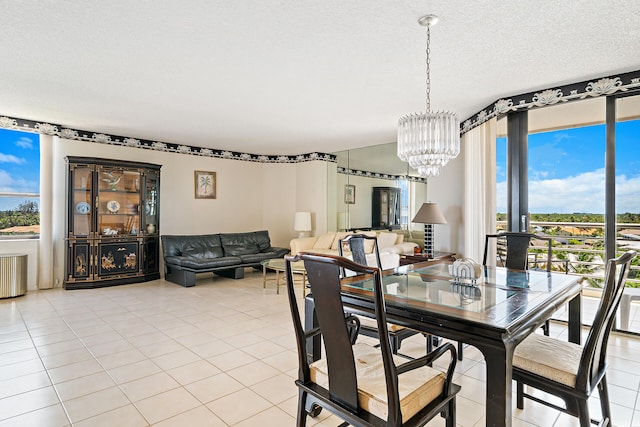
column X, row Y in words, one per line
column 358, row 193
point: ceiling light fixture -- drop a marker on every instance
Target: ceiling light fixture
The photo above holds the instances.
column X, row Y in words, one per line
column 428, row 141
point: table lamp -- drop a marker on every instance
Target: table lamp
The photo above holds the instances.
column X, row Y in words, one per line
column 302, row 223
column 429, row 214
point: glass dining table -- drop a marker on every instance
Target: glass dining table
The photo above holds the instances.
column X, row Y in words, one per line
column 493, row 313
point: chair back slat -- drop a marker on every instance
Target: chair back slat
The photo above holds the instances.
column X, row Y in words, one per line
column 594, row 354
column 356, row 244
column 515, row 246
column 517, row 251
column 324, row 279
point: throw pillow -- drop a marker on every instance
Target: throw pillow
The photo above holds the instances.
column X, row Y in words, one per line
column 386, row 240
column 324, row 241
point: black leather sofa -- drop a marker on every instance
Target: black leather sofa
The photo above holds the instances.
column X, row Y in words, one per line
column 225, row 254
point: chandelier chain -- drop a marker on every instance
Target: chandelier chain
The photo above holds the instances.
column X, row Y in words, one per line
column 428, row 68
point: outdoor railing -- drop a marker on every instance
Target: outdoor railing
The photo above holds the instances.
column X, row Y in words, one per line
column 578, row 249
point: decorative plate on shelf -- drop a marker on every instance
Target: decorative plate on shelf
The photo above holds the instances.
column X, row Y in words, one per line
column 83, row 208
column 113, row 206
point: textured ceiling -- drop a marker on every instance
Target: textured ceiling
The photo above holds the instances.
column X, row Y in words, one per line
column 291, row 77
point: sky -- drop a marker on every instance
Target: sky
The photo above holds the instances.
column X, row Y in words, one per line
column 19, row 166
column 566, row 170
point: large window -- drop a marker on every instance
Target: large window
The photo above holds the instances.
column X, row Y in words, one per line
column 19, row 184
column 568, row 151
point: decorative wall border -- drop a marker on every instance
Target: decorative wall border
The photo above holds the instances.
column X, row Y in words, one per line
column 368, row 174
column 573, row 92
column 83, row 135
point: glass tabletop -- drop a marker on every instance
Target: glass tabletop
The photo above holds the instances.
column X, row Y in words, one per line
column 499, row 297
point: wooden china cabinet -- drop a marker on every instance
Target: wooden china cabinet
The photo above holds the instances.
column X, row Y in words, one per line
column 112, row 222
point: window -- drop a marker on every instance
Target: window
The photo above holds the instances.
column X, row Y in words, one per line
column 19, row 184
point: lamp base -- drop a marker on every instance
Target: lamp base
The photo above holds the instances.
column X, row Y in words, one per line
column 428, row 240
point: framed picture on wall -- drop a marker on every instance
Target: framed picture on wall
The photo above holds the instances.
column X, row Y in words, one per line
column 205, row 185
column 349, row 193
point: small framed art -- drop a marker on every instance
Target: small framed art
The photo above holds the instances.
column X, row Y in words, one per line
column 205, row 185
column 349, row 194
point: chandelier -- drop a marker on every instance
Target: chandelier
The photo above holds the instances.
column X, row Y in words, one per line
column 428, row 141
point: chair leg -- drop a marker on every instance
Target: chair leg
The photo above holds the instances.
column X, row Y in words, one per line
column 583, row 413
column 451, row 416
column 519, row 394
column 545, row 328
column 301, row 420
column 605, row 406
column 460, row 349
column 395, row 344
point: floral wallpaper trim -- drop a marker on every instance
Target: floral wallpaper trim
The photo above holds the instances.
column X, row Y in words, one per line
column 572, row 92
column 368, row 174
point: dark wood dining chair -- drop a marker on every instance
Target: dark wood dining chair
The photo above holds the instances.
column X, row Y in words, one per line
column 512, row 251
column 362, row 384
column 570, row 371
column 356, row 244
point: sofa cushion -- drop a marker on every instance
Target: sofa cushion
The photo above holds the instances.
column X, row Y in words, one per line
column 368, row 244
column 324, row 241
column 339, row 236
column 176, row 245
column 235, row 244
column 262, row 240
column 197, row 263
column 386, row 239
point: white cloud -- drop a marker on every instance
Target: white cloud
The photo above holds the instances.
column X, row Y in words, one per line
column 580, row 193
column 10, row 158
column 10, row 184
column 25, row 142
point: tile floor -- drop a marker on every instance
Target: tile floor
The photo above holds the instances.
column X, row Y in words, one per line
column 219, row 354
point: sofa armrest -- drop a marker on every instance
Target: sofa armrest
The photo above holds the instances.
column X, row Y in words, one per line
column 302, row 244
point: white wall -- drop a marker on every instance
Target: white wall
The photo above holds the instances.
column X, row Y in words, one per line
column 250, row 196
column 446, row 190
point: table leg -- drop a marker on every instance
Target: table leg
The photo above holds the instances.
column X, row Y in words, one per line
column 277, row 281
column 575, row 320
column 264, row 276
column 499, row 363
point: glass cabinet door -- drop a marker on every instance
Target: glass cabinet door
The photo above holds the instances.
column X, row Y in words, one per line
column 151, row 202
column 82, row 203
column 118, row 201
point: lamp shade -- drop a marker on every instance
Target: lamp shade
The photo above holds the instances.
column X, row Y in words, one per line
column 302, row 221
column 429, row 213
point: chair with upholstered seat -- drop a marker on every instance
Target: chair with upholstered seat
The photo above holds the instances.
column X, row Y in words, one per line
column 362, row 384
column 512, row 251
column 358, row 244
column 570, row 371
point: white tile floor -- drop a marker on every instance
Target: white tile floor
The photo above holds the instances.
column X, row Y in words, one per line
column 219, row 354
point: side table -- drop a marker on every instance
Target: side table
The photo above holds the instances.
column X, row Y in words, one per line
column 13, row 277
column 278, row 265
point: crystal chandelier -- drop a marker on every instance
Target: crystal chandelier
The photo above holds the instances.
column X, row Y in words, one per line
column 428, row 141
